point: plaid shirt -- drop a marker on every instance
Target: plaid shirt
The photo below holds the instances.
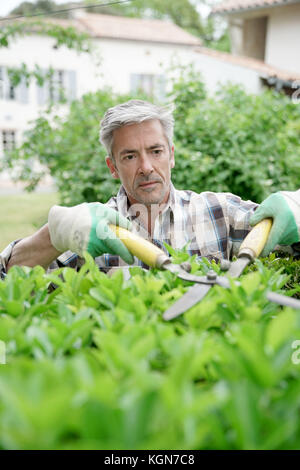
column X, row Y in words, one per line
column 208, row 224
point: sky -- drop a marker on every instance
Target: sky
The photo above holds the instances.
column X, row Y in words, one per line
column 7, row 5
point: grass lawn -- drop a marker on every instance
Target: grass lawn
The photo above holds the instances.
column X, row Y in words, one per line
column 22, row 214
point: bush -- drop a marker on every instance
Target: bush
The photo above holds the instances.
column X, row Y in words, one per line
column 70, row 149
column 234, row 141
column 92, row 365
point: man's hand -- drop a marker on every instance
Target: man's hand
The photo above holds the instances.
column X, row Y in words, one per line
column 85, row 228
column 284, row 208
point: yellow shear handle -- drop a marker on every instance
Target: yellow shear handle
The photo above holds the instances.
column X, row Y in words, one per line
column 255, row 241
column 153, row 256
column 143, row 249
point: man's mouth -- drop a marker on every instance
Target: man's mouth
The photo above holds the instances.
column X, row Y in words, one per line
column 148, row 184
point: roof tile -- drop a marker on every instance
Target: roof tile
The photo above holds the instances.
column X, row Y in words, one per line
column 264, row 69
column 119, row 27
column 232, row 6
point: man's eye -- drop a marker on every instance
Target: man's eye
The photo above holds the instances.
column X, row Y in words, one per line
column 129, row 157
column 157, row 151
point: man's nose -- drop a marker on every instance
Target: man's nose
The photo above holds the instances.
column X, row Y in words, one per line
column 145, row 167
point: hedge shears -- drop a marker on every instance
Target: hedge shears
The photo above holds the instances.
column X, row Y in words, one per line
column 154, row 257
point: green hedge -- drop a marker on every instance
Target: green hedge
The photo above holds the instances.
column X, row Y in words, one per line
column 92, row 365
column 233, row 141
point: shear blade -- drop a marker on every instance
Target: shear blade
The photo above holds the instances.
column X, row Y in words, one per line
column 283, row 300
column 238, row 266
column 188, row 300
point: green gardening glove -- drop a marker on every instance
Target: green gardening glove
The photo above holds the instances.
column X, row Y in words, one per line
column 85, row 228
column 284, row 208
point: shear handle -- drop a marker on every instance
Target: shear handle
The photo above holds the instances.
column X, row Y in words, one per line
column 255, row 241
column 146, row 251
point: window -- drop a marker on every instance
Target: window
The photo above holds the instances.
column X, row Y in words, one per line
column 59, row 85
column 152, row 85
column 8, row 91
column 11, row 92
column 1, row 83
column 8, row 140
column 56, row 88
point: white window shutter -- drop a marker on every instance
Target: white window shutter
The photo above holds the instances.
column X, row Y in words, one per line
column 134, row 82
column 42, row 91
column 22, row 91
column 6, row 84
column 2, row 90
column 71, row 87
column 160, row 87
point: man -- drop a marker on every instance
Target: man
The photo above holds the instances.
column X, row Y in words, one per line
column 138, row 138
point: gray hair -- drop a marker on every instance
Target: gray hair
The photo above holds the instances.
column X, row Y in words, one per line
column 135, row 112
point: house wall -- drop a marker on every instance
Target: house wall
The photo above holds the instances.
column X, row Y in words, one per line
column 112, row 64
column 254, row 37
column 214, row 71
column 236, row 26
column 16, row 114
column 124, row 58
column 283, row 38
column 217, row 73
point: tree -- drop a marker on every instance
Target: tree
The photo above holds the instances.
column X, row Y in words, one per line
column 184, row 13
column 232, row 142
column 63, row 36
column 181, row 12
column 40, row 6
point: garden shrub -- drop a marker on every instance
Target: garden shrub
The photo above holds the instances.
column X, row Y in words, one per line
column 233, row 141
column 92, row 365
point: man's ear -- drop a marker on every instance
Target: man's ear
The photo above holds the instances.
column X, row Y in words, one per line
column 112, row 168
column 172, row 157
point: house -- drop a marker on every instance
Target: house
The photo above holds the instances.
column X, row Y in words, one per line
column 267, row 33
column 131, row 54
column 219, row 68
column 128, row 54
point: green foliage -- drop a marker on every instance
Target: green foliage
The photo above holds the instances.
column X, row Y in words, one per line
column 281, row 262
column 222, row 43
column 233, row 142
column 63, row 36
column 70, row 148
column 68, row 37
column 184, row 13
column 92, row 365
column 39, row 6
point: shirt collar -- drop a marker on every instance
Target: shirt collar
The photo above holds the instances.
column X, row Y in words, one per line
column 124, row 205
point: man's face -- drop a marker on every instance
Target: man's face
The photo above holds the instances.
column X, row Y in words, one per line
column 143, row 162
